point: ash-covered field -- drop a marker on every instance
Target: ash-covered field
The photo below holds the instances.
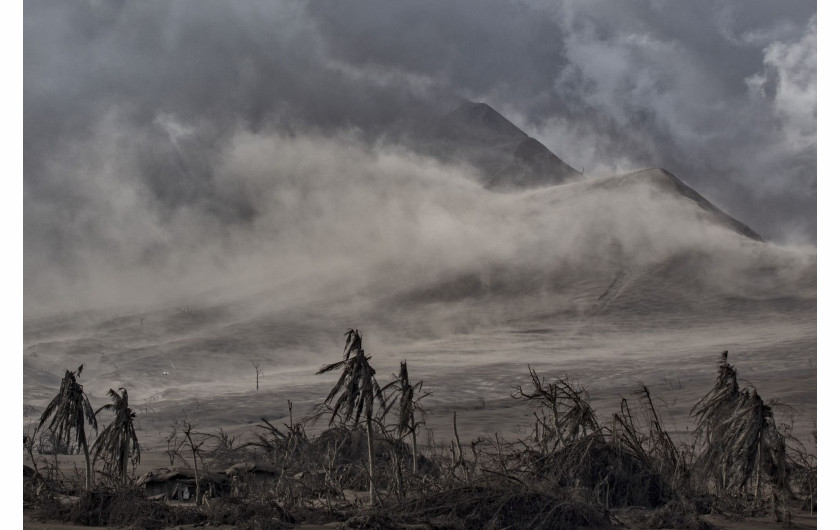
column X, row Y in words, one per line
column 613, row 282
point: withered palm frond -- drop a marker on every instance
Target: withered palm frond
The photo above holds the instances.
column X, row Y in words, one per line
column 661, row 443
column 625, row 433
column 357, row 389
column 117, row 443
column 353, row 342
column 340, row 384
column 714, row 412
column 403, row 393
column 71, row 412
column 746, row 445
column 741, row 439
column 719, row 402
column 408, row 396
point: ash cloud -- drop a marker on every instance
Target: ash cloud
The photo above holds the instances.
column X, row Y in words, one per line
column 207, row 140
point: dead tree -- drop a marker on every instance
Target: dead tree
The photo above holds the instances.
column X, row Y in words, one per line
column 259, row 371
column 407, row 396
column 194, row 440
column 565, row 413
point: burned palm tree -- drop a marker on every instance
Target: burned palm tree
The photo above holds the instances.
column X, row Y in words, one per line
column 117, row 443
column 718, row 403
column 71, row 412
column 739, row 439
column 712, row 412
column 356, row 391
column 407, row 395
column 747, row 445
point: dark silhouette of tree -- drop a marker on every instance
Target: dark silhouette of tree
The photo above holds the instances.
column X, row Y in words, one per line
column 356, row 390
column 566, row 412
column 404, row 393
column 70, row 410
column 195, row 447
column 194, row 441
column 117, row 443
column 258, row 371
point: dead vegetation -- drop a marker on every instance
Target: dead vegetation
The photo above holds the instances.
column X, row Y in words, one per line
column 367, row 471
column 118, row 507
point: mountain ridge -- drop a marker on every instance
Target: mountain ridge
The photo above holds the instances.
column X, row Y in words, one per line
column 664, row 179
column 506, row 157
column 510, row 160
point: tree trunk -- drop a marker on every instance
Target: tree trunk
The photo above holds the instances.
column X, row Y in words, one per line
column 758, row 470
column 556, row 418
column 35, row 464
column 369, row 424
column 398, row 472
column 413, row 446
column 195, row 470
column 124, row 467
column 457, row 438
column 87, row 464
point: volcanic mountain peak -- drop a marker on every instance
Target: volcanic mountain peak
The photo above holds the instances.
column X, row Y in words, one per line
column 509, row 160
column 482, row 119
column 506, row 157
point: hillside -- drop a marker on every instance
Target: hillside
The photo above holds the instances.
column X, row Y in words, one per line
column 615, row 280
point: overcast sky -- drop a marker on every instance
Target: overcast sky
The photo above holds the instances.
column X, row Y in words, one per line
column 133, row 106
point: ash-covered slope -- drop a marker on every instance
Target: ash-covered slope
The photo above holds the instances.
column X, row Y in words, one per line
column 506, row 158
column 626, row 255
column 667, row 182
column 509, row 160
column 640, row 248
column 410, row 250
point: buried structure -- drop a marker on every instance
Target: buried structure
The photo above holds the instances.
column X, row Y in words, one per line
column 251, row 476
column 180, row 484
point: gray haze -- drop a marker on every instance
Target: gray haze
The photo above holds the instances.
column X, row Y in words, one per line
column 173, row 146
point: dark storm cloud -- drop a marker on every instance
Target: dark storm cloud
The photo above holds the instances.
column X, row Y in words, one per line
column 130, row 108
